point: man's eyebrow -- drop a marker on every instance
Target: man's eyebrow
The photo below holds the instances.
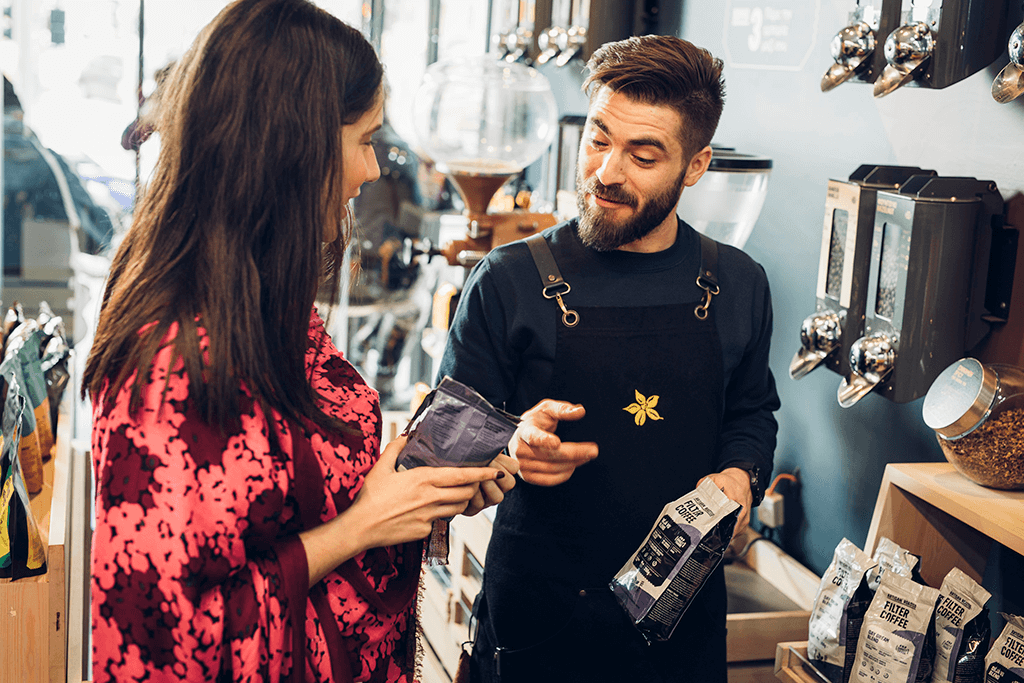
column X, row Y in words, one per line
column 635, row 142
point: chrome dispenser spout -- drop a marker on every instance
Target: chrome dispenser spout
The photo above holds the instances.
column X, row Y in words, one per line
column 819, row 336
column 1009, row 84
column 551, row 41
column 871, row 360
column 851, row 50
column 907, row 49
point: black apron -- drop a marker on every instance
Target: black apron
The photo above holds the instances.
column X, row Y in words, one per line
column 651, row 380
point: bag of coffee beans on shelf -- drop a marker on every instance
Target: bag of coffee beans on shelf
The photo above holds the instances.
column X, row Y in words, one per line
column 35, row 387
column 1004, row 663
column 843, row 598
column 962, row 630
column 687, row 543
column 892, row 643
column 54, row 364
column 22, row 552
column 30, row 454
column 890, row 556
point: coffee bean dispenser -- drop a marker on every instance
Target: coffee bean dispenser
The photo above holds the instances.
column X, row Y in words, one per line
column 926, row 289
column 857, row 47
column 838, row 320
column 941, row 42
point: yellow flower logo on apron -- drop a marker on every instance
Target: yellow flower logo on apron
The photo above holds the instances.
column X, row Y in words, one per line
column 643, row 409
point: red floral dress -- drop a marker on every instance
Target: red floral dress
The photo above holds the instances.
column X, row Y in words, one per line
column 197, row 570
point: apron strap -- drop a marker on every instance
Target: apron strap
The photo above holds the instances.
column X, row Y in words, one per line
column 707, row 279
column 551, row 278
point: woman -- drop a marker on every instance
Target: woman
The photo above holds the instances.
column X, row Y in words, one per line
column 243, row 529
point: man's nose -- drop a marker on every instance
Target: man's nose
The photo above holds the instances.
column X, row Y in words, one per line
column 610, row 171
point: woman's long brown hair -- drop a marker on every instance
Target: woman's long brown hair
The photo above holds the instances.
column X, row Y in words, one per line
column 229, row 233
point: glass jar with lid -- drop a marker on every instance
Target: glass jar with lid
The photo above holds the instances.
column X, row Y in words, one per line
column 977, row 412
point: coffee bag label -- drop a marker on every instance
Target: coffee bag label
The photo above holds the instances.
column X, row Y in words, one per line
column 660, row 580
column 827, row 630
column 1005, row 660
column 893, row 636
column 961, row 599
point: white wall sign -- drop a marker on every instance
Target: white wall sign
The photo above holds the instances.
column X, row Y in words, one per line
column 770, row 34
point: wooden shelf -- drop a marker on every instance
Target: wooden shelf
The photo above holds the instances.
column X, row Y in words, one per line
column 792, row 666
column 935, row 512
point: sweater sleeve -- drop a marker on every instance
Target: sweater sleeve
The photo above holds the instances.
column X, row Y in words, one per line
column 196, row 569
column 748, row 425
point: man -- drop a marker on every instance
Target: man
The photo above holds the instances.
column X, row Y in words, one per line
column 658, row 385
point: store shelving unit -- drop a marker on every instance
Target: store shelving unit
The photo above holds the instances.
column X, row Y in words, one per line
column 935, row 512
column 41, row 617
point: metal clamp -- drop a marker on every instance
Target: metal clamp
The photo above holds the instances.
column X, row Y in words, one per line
column 570, row 318
column 710, row 290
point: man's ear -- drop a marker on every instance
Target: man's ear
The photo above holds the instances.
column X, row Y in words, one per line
column 697, row 166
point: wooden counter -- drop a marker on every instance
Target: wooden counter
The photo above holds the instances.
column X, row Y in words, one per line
column 935, row 512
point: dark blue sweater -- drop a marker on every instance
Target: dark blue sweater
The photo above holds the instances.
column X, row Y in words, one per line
column 502, row 340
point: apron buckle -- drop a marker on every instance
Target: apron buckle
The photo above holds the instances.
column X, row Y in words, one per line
column 570, row 318
column 710, row 289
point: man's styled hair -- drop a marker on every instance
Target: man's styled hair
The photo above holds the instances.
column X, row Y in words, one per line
column 668, row 71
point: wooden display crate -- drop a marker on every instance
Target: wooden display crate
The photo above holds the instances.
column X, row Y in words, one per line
column 935, row 512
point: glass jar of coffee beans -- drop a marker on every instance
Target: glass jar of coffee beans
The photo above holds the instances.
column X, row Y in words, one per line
column 977, row 411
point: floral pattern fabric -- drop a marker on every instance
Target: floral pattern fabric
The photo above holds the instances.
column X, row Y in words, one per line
column 197, row 571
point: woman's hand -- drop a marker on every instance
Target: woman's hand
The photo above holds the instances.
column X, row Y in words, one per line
column 493, row 492
column 391, row 508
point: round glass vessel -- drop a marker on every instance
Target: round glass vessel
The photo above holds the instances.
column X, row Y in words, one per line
column 977, row 412
column 482, row 116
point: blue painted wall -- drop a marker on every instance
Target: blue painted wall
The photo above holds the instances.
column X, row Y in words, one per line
column 813, row 136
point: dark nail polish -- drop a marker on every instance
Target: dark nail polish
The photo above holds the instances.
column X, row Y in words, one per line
column 500, row 475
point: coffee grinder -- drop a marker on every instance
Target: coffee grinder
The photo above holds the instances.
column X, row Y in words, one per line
column 926, row 289
column 483, row 120
column 838, row 320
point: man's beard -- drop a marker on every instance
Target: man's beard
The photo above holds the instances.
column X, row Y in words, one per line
column 598, row 232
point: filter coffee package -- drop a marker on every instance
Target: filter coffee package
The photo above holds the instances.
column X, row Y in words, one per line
column 456, row 427
column 962, row 630
column 839, row 607
column 35, row 388
column 661, row 579
column 890, row 556
column 892, row 643
column 1004, row 663
column 56, row 374
column 29, row 452
column 22, row 552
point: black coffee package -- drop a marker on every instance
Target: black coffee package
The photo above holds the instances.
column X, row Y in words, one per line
column 890, row 556
column 54, row 365
column 962, row 630
column 30, row 454
column 455, row 427
column 659, row 582
column 1004, row 663
column 839, row 607
column 892, row 643
column 22, row 552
